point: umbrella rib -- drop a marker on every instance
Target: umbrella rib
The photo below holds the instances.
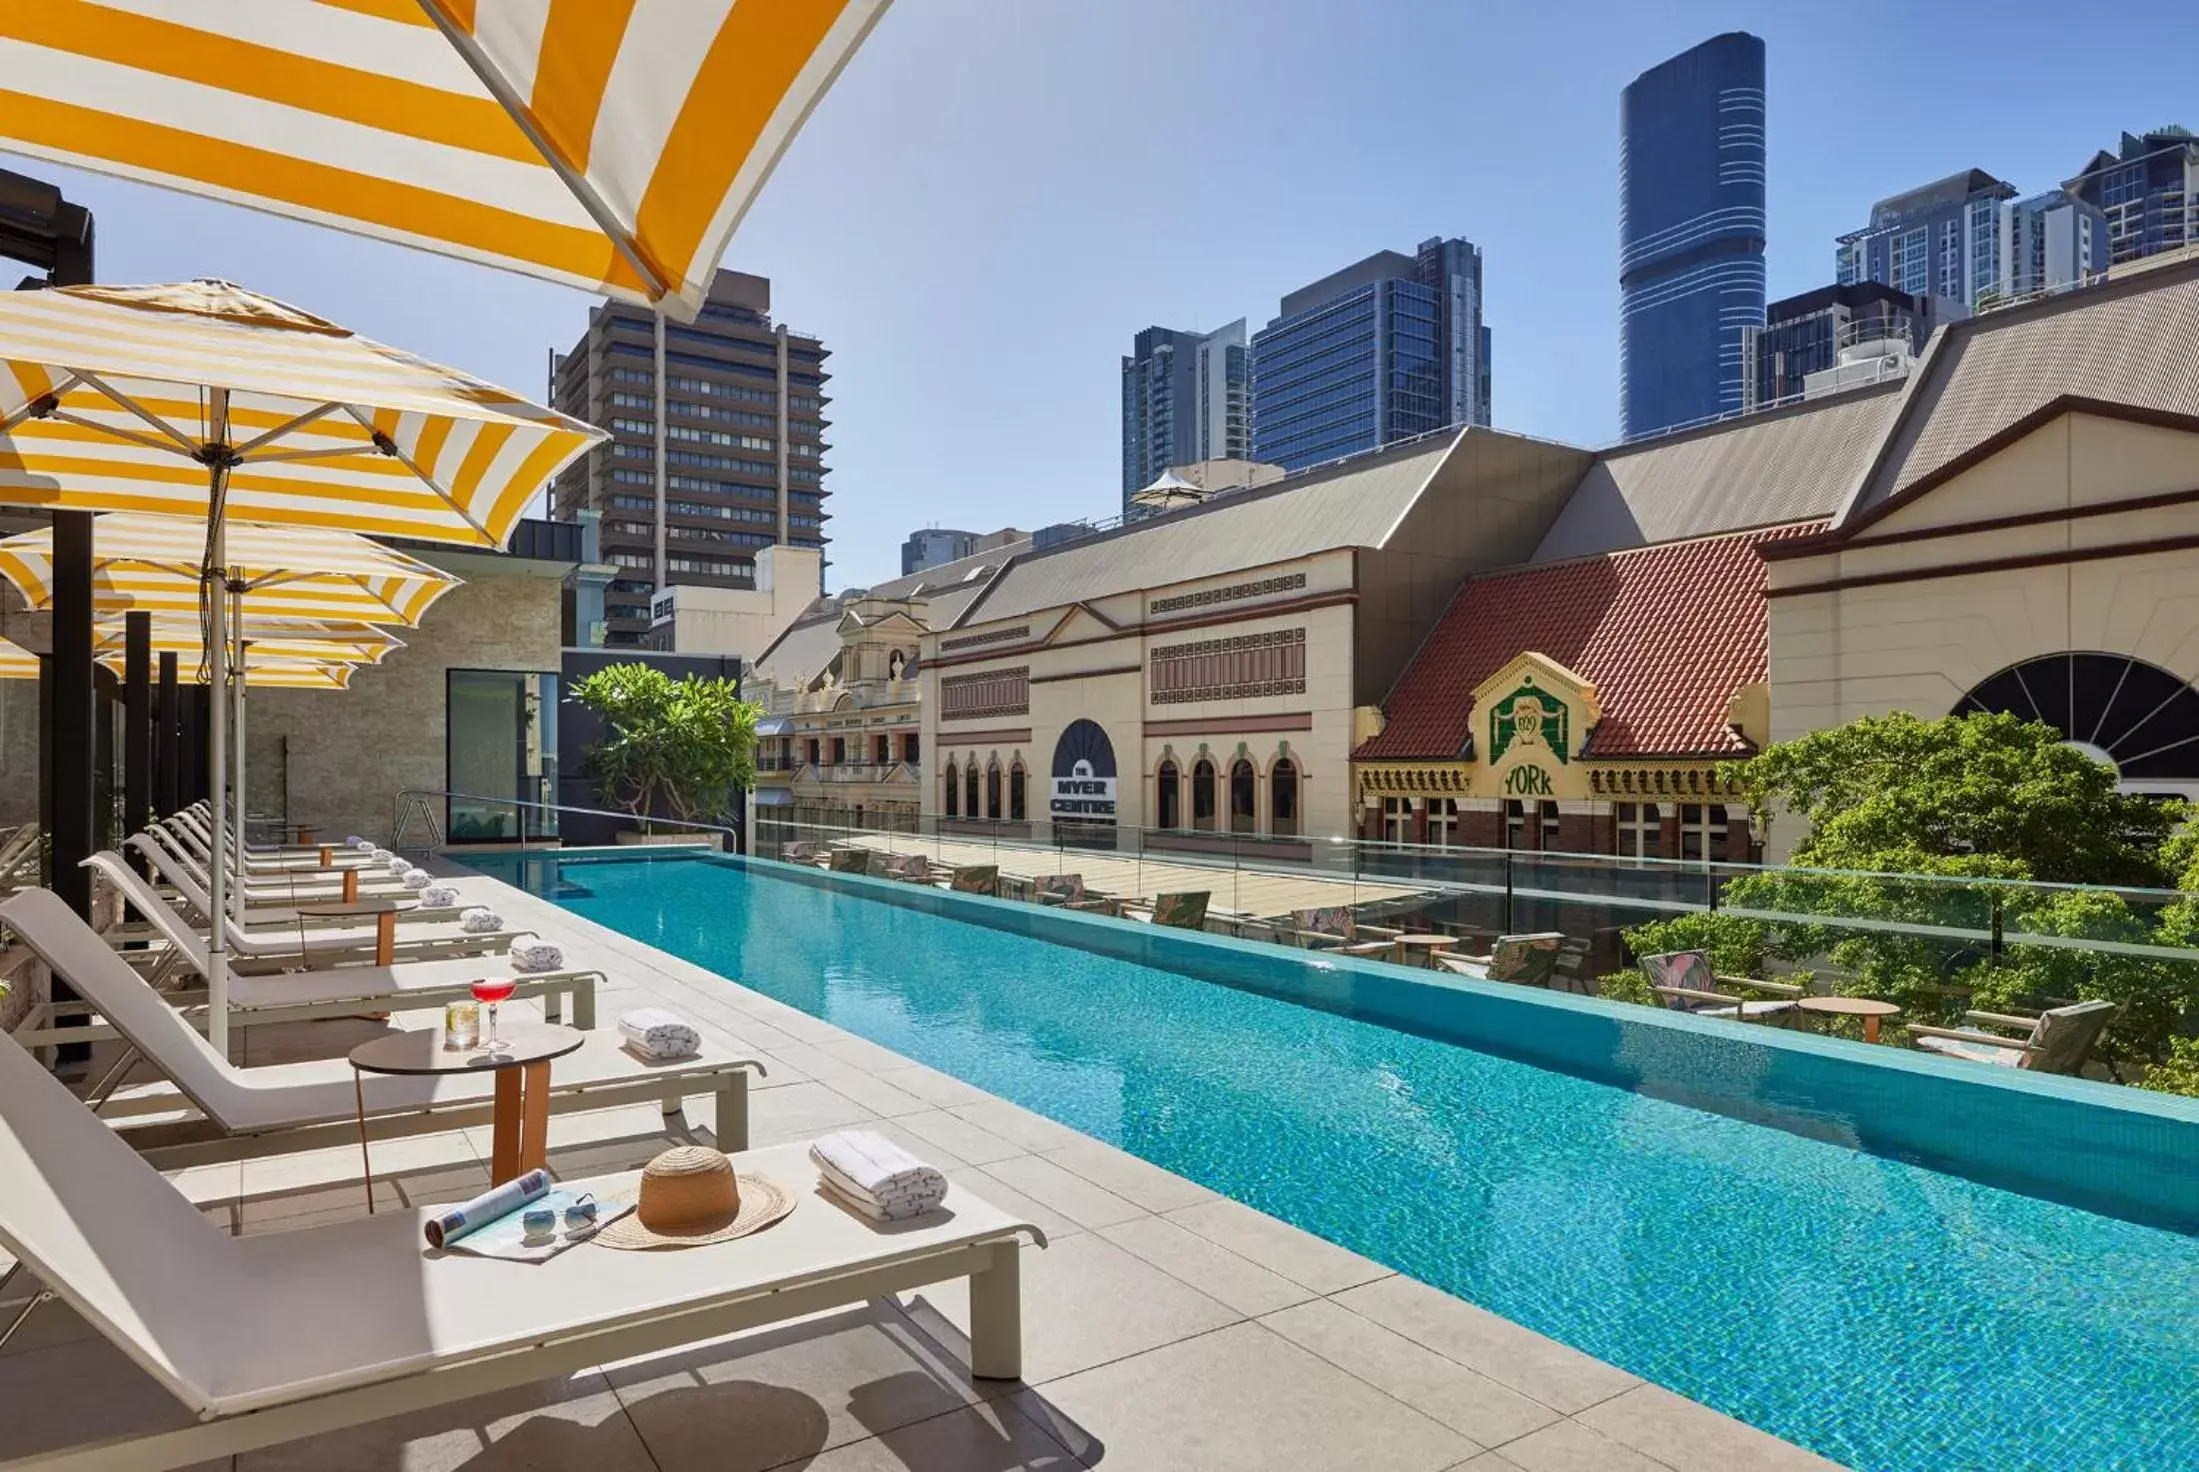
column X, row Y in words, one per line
column 116, row 431
column 190, row 446
column 42, row 405
column 333, row 452
column 286, row 428
column 516, row 108
column 368, row 589
column 396, row 452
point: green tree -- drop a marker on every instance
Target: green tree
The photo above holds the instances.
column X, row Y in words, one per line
column 690, row 741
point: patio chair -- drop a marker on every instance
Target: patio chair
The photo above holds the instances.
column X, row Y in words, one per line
column 799, row 852
column 1058, row 889
column 851, row 861
column 1524, row 960
column 1184, row 910
column 249, row 1112
column 268, row 1337
column 1684, row 982
column 910, row 869
column 341, row 991
column 976, row 879
column 1333, row 928
column 2056, row 1041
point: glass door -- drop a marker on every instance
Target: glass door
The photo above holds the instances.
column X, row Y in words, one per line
column 502, row 751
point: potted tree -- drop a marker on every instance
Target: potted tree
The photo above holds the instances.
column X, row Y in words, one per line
column 687, row 745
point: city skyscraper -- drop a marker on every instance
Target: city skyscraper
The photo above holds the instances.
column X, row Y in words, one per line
column 717, row 443
column 1691, row 232
column 1185, row 398
column 2148, row 190
column 1940, row 239
column 1385, row 349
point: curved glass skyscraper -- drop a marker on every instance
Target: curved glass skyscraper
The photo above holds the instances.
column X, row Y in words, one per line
column 1691, row 232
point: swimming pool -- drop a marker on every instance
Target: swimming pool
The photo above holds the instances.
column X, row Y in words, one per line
column 1889, row 1316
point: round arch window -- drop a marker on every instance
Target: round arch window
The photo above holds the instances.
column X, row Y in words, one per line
column 2135, row 716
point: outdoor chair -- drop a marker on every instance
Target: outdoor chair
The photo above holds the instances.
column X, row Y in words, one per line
column 1332, row 928
column 191, row 830
column 2056, row 1041
column 976, row 879
column 293, row 886
column 1524, row 960
column 800, row 852
column 1684, row 982
column 1185, row 910
column 909, row 869
column 268, row 1337
column 1058, row 889
column 301, row 1106
column 851, row 860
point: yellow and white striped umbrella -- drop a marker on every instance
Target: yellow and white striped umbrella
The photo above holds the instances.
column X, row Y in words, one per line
column 277, row 639
column 16, row 662
column 152, row 563
column 607, row 144
column 134, row 398
column 273, row 674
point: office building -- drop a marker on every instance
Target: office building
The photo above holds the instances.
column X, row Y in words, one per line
column 2049, row 242
column 1803, row 337
column 1185, row 397
column 1383, row 350
column 933, row 545
column 717, row 444
column 1942, row 239
column 1691, row 233
column 2148, row 190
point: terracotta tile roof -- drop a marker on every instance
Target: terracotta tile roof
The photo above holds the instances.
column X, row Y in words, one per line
column 1666, row 633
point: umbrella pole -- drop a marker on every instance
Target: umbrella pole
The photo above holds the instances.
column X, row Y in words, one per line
column 236, row 741
column 217, row 649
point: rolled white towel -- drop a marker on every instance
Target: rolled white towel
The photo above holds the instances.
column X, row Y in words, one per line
column 530, row 952
column 418, row 879
column 378, row 854
column 396, row 864
column 439, row 896
column 655, row 1033
column 480, row 920
column 353, row 840
column 876, row 1175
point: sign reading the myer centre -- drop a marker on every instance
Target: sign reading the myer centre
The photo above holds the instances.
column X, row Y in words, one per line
column 1084, row 775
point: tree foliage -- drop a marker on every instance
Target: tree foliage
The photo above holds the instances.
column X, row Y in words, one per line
column 690, row 741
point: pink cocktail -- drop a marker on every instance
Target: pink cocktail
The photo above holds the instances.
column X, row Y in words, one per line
column 490, row 990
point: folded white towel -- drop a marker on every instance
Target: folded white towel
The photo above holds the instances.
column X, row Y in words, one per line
column 655, row 1033
column 418, row 879
column 353, row 840
column 378, row 855
column 396, row 864
column 877, row 1176
column 480, row 920
column 438, row 896
column 530, row 952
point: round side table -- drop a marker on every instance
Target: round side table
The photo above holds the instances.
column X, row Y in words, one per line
column 522, row 1069
column 383, row 912
column 1867, row 1008
column 1421, row 950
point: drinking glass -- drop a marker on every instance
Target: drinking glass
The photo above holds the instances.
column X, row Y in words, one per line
column 490, row 990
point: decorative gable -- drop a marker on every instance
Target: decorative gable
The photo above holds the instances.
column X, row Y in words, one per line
column 1532, row 719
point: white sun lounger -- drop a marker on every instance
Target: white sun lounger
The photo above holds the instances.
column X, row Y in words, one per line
column 264, row 1339
column 319, row 945
column 209, row 1109
column 336, row 991
column 283, row 879
column 263, row 907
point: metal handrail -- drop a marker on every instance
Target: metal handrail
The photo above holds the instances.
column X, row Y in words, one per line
column 412, row 799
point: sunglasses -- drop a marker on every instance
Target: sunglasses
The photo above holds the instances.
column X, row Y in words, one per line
column 542, row 1220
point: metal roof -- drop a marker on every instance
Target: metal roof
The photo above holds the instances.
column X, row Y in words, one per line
column 1765, row 469
column 803, row 650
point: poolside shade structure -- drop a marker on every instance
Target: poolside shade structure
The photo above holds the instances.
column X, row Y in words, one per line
column 597, row 143
column 16, row 662
column 208, row 401
column 315, row 641
column 152, row 563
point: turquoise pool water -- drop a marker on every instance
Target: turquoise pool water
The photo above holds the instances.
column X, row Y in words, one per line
column 1891, row 1317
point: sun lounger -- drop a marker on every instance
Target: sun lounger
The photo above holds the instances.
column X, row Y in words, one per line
column 2057, row 1041
column 300, row 1106
column 263, row 907
column 262, row 858
column 1524, row 960
column 1683, row 981
column 270, row 1337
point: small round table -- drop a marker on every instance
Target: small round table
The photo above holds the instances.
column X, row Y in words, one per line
column 384, row 913
column 1422, row 949
column 522, row 1069
column 1867, row 1008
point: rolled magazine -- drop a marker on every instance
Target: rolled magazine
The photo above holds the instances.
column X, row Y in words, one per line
column 473, row 1215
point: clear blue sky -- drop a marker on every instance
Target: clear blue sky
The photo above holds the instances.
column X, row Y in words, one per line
column 999, row 193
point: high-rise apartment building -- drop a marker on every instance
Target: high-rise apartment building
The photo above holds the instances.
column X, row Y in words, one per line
column 2049, row 242
column 2148, row 190
column 1805, row 335
column 933, row 545
column 717, row 443
column 1383, row 350
column 1941, row 239
column 1691, row 232
column 1185, row 398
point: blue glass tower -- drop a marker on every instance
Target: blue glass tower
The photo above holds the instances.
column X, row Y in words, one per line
column 1691, row 232
column 1382, row 350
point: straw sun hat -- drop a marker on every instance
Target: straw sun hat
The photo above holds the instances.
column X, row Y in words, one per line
column 690, row 1196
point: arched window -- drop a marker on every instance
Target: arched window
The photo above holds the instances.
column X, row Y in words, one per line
column 1202, row 796
column 1018, row 801
column 1282, row 807
column 954, row 793
column 1244, row 790
column 2135, row 715
column 992, row 791
column 1168, row 809
column 969, row 790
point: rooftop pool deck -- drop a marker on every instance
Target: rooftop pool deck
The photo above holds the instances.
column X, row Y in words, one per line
column 1898, row 1262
